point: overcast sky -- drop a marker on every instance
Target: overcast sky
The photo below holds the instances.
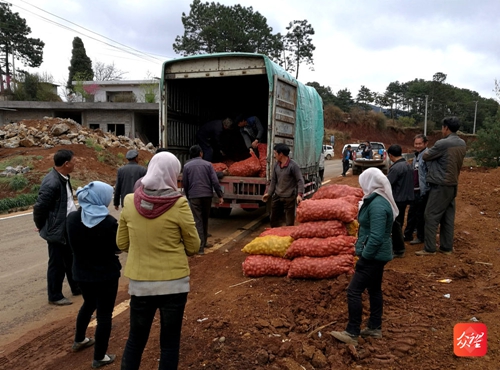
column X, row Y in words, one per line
column 358, row 42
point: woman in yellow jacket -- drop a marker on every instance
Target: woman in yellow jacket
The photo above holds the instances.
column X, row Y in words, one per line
column 157, row 230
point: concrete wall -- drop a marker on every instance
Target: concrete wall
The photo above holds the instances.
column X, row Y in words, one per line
column 105, row 118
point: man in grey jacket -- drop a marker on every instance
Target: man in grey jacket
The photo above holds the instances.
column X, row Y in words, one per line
column 199, row 181
column 286, row 188
column 54, row 203
column 444, row 161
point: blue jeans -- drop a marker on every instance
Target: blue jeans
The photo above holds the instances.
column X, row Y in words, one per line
column 101, row 296
column 368, row 275
column 142, row 313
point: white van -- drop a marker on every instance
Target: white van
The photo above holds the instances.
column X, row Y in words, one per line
column 328, row 151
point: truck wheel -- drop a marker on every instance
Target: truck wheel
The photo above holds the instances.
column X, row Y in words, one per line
column 328, row 157
column 220, row 212
column 356, row 170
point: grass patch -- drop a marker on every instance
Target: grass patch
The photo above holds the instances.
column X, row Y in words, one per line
column 18, row 183
column 23, row 200
column 90, row 143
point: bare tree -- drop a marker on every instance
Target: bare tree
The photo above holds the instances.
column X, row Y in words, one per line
column 107, row 72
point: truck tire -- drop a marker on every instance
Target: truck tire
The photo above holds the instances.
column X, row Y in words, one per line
column 328, row 157
column 220, row 212
column 356, row 170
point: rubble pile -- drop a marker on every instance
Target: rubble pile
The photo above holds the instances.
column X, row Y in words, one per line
column 50, row 132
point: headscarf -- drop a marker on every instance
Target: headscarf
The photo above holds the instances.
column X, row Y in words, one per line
column 163, row 170
column 372, row 180
column 94, row 199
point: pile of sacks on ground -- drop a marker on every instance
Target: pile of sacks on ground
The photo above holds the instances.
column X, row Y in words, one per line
column 250, row 167
column 48, row 132
column 320, row 247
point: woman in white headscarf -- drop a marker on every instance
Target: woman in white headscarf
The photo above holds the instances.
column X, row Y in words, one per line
column 157, row 230
column 377, row 212
column 92, row 237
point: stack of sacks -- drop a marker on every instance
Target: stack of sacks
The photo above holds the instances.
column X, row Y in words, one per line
column 324, row 248
column 219, row 167
column 249, row 167
column 266, row 256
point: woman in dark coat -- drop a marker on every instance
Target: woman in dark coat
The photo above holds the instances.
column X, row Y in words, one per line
column 92, row 237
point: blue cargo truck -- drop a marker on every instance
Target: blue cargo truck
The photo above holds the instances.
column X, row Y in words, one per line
column 197, row 89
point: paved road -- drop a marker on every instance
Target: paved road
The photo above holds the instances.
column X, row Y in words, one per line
column 23, row 267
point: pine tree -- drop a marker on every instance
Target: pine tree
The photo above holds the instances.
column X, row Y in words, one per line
column 80, row 66
column 14, row 40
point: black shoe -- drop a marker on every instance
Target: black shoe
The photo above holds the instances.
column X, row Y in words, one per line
column 99, row 363
column 79, row 346
column 398, row 255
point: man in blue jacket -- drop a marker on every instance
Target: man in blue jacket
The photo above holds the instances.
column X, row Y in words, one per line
column 199, row 181
column 54, row 203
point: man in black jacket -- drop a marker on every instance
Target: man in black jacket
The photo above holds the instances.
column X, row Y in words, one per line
column 126, row 177
column 54, row 203
column 401, row 178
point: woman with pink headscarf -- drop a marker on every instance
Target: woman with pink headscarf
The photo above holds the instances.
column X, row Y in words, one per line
column 157, row 230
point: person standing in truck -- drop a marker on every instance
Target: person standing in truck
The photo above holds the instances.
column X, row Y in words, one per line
column 286, row 188
column 199, row 181
column 367, row 151
column 208, row 138
column 251, row 130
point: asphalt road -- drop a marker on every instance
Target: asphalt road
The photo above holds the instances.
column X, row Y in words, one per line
column 23, row 266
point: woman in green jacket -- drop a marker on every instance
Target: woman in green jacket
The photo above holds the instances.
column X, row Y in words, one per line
column 157, row 230
column 376, row 215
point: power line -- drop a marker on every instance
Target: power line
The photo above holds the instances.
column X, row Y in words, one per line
column 125, row 48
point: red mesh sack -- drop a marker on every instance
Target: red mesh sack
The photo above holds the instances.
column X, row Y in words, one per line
column 351, row 199
column 279, row 231
column 335, row 191
column 321, row 268
column 326, row 209
column 219, row 167
column 248, row 168
column 318, row 229
column 262, row 148
column 321, row 247
column 258, row 265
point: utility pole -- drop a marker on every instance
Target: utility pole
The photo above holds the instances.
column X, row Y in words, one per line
column 475, row 115
column 425, row 119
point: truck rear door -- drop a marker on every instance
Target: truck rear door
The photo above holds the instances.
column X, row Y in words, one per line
column 284, row 103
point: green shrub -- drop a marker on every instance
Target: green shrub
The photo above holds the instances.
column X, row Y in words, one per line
column 23, row 200
column 406, row 121
column 486, row 148
column 35, row 188
column 380, row 121
column 18, row 182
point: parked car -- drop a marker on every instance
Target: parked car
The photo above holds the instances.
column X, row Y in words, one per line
column 354, row 147
column 378, row 158
column 328, row 151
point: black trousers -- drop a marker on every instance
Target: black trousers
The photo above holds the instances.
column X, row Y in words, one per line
column 440, row 211
column 98, row 296
column 416, row 219
column 398, row 244
column 345, row 167
column 200, row 207
column 368, row 275
column 280, row 206
column 142, row 313
column 60, row 264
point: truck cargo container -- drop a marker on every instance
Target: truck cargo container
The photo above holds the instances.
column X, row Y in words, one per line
column 197, row 89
